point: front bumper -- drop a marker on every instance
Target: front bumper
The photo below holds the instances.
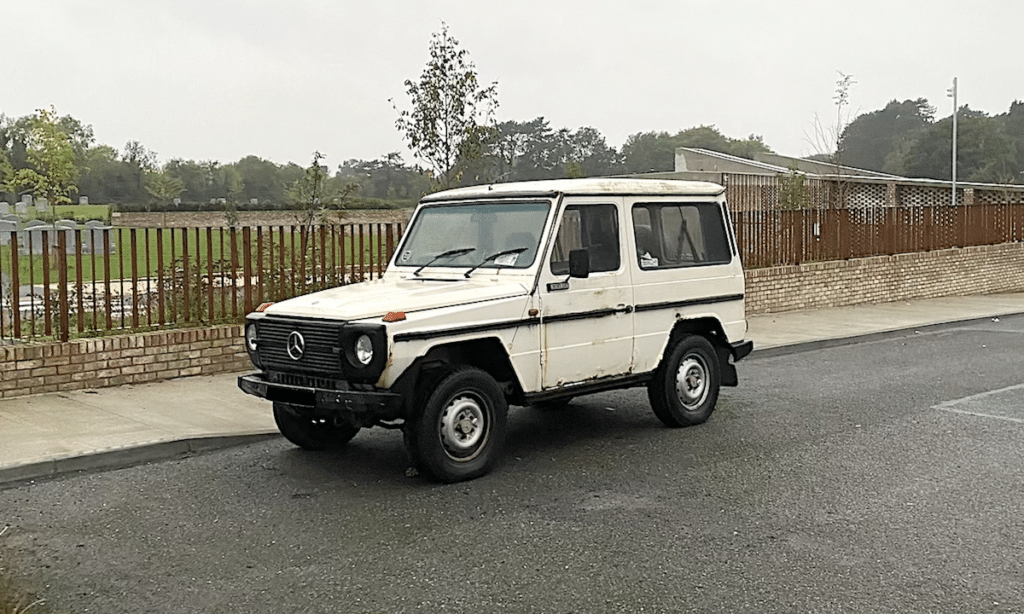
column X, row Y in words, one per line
column 365, row 405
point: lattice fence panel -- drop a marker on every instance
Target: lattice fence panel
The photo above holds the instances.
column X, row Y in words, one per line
column 999, row 197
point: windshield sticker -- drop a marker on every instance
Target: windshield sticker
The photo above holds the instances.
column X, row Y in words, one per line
column 406, row 256
column 647, row 261
column 506, row 260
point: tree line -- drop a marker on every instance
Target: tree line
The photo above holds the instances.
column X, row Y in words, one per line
column 904, row 138
column 132, row 175
column 450, row 127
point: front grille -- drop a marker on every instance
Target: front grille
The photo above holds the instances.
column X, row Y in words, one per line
column 322, row 352
column 306, row 381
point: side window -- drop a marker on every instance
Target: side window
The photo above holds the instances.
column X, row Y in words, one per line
column 591, row 227
column 677, row 235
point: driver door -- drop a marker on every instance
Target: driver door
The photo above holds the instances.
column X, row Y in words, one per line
column 586, row 324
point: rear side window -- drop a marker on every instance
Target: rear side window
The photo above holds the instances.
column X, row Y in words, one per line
column 678, row 235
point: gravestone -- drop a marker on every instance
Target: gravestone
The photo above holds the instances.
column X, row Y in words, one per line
column 42, row 205
column 5, row 207
column 68, row 227
column 27, row 200
column 36, row 237
column 21, row 208
column 6, row 228
column 92, row 240
column 83, row 200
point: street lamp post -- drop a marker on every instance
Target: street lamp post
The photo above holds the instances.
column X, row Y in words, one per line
column 952, row 92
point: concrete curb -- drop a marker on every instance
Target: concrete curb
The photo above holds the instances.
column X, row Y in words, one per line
column 123, row 457
column 806, row 346
column 161, row 450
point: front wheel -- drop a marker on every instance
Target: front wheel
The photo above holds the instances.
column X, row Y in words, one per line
column 685, row 388
column 460, row 431
column 310, row 433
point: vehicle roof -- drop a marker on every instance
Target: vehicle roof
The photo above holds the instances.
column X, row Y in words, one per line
column 608, row 186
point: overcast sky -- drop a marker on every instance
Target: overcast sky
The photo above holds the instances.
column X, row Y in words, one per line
column 218, row 80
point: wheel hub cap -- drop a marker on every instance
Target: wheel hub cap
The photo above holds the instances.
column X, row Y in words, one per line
column 462, row 425
column 691, row 382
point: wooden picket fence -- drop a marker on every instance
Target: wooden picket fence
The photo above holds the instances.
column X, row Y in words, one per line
column 62, row 282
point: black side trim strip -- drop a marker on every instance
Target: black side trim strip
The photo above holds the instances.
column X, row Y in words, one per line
column 690, row 303
column 482, row 328
column 585, row 315
column 462, row 330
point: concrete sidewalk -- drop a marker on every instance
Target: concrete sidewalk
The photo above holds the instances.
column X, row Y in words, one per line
column 52, row 434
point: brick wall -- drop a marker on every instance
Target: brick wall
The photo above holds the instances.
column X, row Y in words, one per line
column 128, row 359
column 147, row 357
column 968, row 271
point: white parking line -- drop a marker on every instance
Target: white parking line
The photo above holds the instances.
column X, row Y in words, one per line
column 951, row 406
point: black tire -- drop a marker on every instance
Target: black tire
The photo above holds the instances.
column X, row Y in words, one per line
column 685, row 387
column 308, row 433
column 460, row 430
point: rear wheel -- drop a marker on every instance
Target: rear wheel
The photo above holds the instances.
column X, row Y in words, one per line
column 311, row 433
column 685, row 388
column 460, row 431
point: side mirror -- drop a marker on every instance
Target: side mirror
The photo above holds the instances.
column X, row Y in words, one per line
column 579, row 263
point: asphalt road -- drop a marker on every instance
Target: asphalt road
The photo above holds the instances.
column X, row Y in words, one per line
column 883, row 476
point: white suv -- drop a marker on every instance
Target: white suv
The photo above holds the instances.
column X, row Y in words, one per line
column 516, row 293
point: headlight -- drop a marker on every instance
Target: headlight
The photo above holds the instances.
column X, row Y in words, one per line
column 364, row 350
column 252, row 344
column 250, row 337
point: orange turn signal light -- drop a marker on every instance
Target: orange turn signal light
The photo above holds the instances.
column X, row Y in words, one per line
column 263, row 307
column 394, row 316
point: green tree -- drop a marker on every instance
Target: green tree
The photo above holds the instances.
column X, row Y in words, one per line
column 1012, row 123
column 6, row 167
column 532, row 150
column 164, row 189
column 51, row 171
column 314, row 196
column 449, row 110
column 984, row 152
column 138, row 161
column 513, row 146
column 261, row 179
column 646, row 152
column 827, row 139
column 878, row 140
column 193, row 175
column 102, row 175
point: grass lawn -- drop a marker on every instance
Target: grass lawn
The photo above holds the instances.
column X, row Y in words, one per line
column 71, row 212
column 151, row 248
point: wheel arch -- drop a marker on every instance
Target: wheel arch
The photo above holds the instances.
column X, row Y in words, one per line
column 488, row 354
column 711, row 329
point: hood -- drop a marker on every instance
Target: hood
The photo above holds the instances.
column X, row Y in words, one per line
column 375, row 298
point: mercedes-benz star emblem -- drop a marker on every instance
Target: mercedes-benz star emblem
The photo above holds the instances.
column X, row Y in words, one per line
column 296, row 345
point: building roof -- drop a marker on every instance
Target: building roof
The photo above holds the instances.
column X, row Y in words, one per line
column 694, row 159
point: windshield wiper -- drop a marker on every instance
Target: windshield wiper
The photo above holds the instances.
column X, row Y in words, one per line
column 517, row 250
column 447, row 254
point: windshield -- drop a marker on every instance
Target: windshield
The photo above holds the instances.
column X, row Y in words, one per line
column 486, row 228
